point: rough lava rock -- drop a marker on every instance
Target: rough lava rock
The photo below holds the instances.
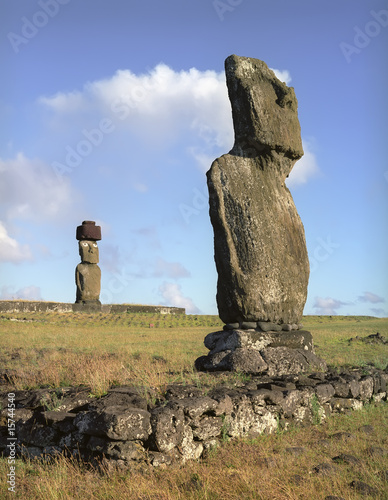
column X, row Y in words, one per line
column 260, row 248
column 270, row 353
column 124, row 429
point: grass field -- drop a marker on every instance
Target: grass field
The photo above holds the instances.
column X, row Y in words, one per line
column 100, row 350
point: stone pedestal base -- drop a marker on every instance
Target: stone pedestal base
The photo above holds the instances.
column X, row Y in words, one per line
column 87, row 306
column 274, row 353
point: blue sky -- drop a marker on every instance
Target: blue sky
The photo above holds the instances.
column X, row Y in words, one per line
column 113, row 111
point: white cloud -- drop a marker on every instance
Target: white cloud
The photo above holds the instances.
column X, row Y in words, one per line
column 305, row 168
column 172, row 296
column 30, row 189
column 31, row 292
column 10, row 249
column 371, row 298
column 328, row 305
column 283, row 75
column 64, row 103
column 173, row 270
column 158, row 107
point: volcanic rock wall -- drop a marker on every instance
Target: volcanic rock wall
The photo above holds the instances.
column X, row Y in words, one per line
column 127, row 426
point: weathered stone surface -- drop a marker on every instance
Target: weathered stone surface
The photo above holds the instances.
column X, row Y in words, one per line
column 341, row 388
column 115, row 422
column 206, row 428
column 88, row 231
column 257, row 340
column 324, row 392
column 120, row 396
column 88, row 251
column 87, row 273
column 167, row 427
column 36, row 434
column 260, row 248
column 190, row 449
column 88, row 281
column 267, row 326
column 175, row 391
column 366, row 388
column 285, row 361
column 185, row 422
column 245, row 360
column 197, row 406
column 73, row 440
column 60, row 420
column 247, row 422
column 252, row 351
column 225, row 403
column 264, row 109
column 73, row 399
column 120, row 450
column 213, row 362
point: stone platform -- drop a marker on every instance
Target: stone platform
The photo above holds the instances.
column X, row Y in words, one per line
column 274, row 353
column 19, row 306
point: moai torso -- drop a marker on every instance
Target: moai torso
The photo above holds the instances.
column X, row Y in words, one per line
column 260, row 248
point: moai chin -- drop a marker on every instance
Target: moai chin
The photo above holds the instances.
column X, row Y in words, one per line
column 87, row 273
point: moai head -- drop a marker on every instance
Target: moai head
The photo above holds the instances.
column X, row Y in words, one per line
column 88, row 251
column 88, row 234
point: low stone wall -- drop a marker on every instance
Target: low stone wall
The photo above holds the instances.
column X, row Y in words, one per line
column 17, row 306
column 127, row 426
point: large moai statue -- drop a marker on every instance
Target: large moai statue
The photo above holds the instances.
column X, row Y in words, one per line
column 260, row 249
column 87, row 273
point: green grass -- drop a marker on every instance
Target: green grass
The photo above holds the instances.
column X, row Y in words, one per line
column 100, row 350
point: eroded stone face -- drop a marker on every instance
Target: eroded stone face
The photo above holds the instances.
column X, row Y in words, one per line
column 264, row 110
column 88, row 251
column 260, row 248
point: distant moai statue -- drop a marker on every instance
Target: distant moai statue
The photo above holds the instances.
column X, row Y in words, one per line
column 87, row 273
